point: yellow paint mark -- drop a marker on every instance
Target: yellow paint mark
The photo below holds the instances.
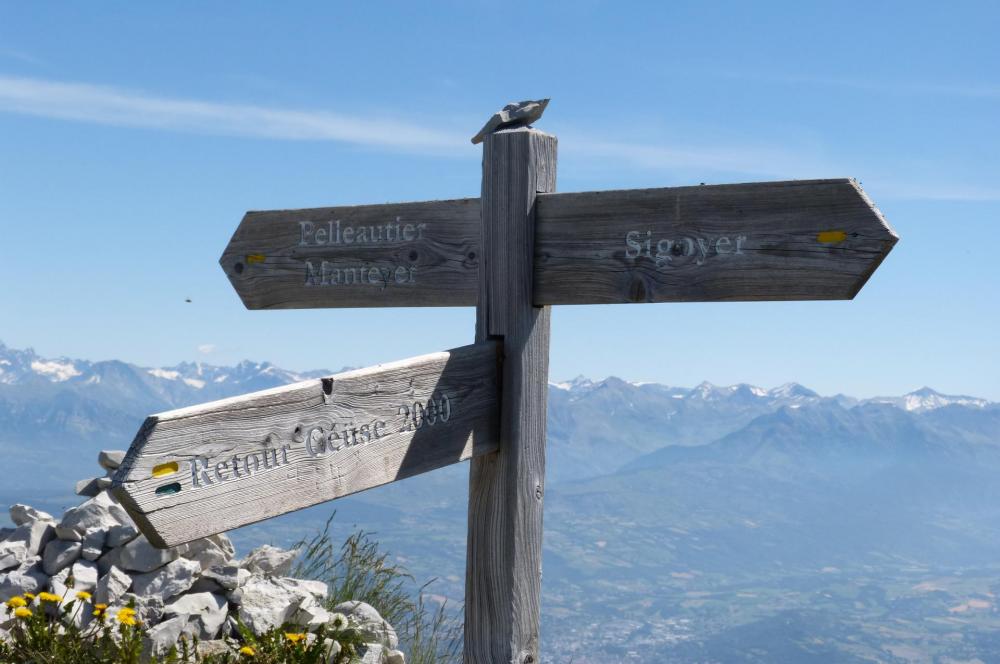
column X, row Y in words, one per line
column 831, row 237
column 255, row 258
column 165, row 469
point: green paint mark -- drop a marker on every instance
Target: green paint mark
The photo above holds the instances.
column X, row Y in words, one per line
column 169, row 489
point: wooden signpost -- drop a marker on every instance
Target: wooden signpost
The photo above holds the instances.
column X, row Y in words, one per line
column 511, row 253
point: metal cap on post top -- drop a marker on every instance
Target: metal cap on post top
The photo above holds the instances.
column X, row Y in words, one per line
column 514, row 114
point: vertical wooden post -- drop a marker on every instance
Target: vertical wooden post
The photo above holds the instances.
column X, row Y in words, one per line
column 503, row 566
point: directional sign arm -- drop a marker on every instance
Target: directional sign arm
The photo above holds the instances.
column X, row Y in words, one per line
column 202, row 470
column 797, row 240
column 394, row 255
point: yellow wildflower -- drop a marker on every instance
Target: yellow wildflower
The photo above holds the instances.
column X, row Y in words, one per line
column 126, row 616
column 22, row 612
column 29, row 596
column 248, row 651
column 16, row 602
column 295, row 637
column 48, row 597
column 83, row 595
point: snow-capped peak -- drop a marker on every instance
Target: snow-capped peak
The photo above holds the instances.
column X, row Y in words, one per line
column 792, row 391
column 926, row 399
column 704, row 390
column 55, row 370
column 580, row 382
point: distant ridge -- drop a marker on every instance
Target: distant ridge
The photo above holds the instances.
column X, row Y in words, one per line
column 71, row 408
column 920, row 400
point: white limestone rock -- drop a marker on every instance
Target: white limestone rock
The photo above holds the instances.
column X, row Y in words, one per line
column 209, row 609
column 209, row 551
column 264, row 604
column 21, row 514
column 117, row 511
column 395, row 657
column 94, row 514
column 149, row 608
column 317, row 589
column 168, row 581
column 84, row 575
column 141, row 556
column 222, row 541
column 12, row 554
column 112, row 586
column 312, row 616
column 57, row 582
column 229, row 577
column 59, row 554
column 374, row 654
column 369, row 623
column 112, row 558
column 92, row 486
column 121, row 535
column 35, row 534
column 81, row 613
column 269, row 560
column 203, row 584
column 110, row 459
column 28, row 578
column 93, row 544
column 160, row 638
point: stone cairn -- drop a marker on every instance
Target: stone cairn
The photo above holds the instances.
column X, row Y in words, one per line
column 193, row 590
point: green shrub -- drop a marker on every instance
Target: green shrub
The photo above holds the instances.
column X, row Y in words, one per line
column 359, row 570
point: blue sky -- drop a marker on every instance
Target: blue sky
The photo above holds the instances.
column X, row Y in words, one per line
column 133, row 136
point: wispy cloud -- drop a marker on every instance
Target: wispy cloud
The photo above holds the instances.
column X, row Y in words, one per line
column 118, row 107
column 114, row 106
column 128, row 108
column 206, row 349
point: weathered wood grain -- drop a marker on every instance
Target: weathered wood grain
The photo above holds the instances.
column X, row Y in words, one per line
column 410, row 255
column 248, row 458
column 798, row 240
column 506, row 489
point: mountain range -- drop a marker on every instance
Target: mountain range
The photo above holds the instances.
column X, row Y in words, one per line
column 703, row 524
column 77, row 406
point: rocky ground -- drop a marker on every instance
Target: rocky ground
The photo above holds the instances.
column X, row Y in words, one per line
column 196, row 589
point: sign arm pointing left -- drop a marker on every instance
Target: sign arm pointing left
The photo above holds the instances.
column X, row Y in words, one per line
column 197, row 471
